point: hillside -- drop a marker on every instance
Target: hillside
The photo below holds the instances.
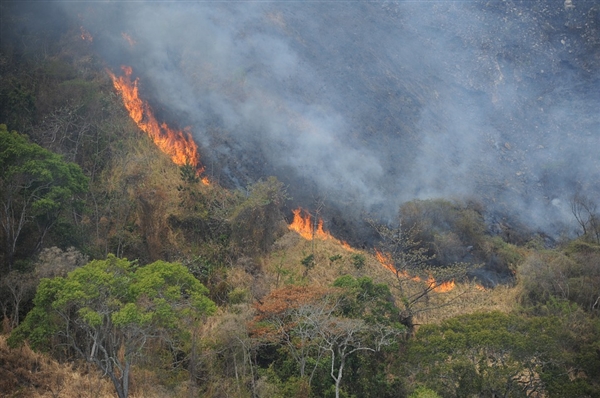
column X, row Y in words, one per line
column 395, row 231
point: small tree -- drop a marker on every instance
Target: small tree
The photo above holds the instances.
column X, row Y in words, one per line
column 585, row 212
column 405, row 255
column 35, row 186
column 106, row 311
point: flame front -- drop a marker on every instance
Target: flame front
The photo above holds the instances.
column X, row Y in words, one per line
column 385, row 259
column 440, row 287
column 303, row 224
column 178, row 144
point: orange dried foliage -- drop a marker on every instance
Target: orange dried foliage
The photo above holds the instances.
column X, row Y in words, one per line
column 289, row 297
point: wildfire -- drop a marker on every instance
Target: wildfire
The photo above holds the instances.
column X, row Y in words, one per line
column 385, row 259
column 440, row 287
column 303, row 224
column 179, row 145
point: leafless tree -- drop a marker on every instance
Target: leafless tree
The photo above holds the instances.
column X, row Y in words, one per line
column 585, row 212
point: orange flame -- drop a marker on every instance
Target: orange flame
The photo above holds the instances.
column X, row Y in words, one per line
column 385, row 259
column 304, row 225
column 440, row 287
column 85, row 35
column 179, row 145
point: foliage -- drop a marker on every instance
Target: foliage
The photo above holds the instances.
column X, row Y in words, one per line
column 319, row 326
column 572, row 273
column 36, row 185
column 424, row 392
column 308, row 261
column 111, row 305
column 501, row 354
column 448, row 230
column 358, row 261
column 256, row 221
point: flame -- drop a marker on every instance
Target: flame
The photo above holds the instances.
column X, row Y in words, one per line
column 128, row 39
column 178, row 144
column 385, row 259
column 85, row 35
column 480, row 287
column 303, row 224
column 440, row 287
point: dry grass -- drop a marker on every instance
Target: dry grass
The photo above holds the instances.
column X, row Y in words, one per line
column 24, row 373
column 27, row 374
column 284, row 266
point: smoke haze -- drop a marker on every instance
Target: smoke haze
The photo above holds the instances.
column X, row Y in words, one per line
column 370, row 104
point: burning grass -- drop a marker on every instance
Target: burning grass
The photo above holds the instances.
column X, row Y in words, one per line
column 178, row 144
column 445, row 301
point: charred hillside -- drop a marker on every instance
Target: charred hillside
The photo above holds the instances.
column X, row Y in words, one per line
column 365, row 106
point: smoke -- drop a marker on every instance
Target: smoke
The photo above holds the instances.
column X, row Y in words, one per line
column 370, row 104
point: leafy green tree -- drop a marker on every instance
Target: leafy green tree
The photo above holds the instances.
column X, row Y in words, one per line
column 108, row 310
column 35, row 186
column 508, row 355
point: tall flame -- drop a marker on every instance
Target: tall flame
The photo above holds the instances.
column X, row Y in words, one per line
column 385, row 259
column 303, row 224
column 179, row 145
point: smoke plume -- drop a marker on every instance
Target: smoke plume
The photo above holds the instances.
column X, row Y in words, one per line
column 367, row 105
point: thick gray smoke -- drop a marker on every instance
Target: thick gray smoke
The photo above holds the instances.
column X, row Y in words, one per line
column 370, row 104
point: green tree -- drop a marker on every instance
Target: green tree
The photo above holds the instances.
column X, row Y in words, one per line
column 35, row 186
column 509, row 355
column 108, row 310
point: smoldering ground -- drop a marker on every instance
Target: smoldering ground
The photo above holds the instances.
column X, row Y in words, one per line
column 367, row 105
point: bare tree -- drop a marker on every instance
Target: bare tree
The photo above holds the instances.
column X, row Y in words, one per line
column 585, row 212
column 409, row 260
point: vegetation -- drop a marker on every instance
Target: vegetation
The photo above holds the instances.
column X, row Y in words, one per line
column 107, row 311
column 36, row 185
column 221, row 299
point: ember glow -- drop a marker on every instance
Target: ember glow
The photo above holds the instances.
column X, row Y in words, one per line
column 385, row 259
column 178, row 144
column 304, row 224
